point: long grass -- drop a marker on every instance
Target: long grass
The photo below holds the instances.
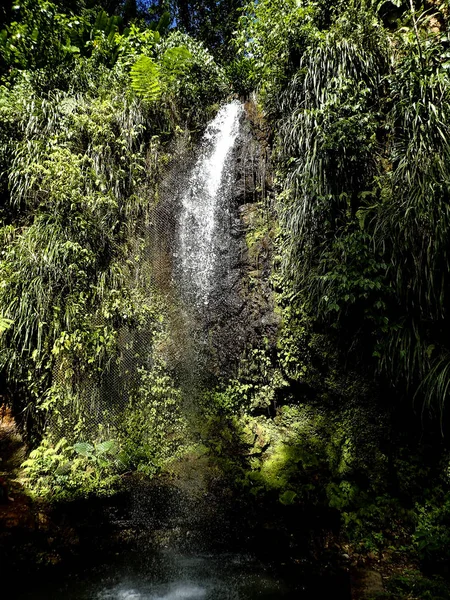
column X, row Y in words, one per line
column 364, row 143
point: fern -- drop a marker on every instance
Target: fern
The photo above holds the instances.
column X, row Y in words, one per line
column 176, row 61
column 145, row 79
column 5, row 324
column 148, row 79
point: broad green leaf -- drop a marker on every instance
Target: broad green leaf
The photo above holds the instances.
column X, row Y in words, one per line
column 83, row 448
column 288, row 497
column 109, row 446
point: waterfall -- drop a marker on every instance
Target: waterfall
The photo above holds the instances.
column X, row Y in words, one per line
column 204, row 206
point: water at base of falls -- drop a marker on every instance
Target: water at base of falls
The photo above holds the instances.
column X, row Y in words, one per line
column 171, row 576
column 203, row 218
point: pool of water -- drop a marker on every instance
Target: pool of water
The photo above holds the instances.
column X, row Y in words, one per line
column 172, row 576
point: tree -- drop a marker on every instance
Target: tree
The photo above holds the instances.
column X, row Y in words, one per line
column 211, row 21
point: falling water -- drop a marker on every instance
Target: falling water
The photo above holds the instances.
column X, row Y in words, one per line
column 203, row 201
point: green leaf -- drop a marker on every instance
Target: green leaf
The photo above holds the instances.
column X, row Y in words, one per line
column 83, row 448
column 64, row 469
column 176, row 61
column 5, row 324
column 107, row 447
column 145, row 79
column 288, row 497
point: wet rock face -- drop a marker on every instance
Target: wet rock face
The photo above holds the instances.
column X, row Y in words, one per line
column 253, row 172
column 248, row 165
column 242, row 312
column 209, row 338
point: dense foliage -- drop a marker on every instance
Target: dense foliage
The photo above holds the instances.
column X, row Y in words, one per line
column 85, row 134
column 335, row 414
column 357, row 96
column 362, row 118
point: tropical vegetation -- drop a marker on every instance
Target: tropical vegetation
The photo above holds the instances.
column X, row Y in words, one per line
column 345, row 410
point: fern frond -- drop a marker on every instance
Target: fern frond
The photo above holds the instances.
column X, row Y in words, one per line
column 176, row 61
column 145, row 79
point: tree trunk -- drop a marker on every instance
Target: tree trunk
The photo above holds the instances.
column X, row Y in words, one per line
column 183, row 14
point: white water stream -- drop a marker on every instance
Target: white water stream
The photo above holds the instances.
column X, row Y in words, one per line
column 206, row 193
